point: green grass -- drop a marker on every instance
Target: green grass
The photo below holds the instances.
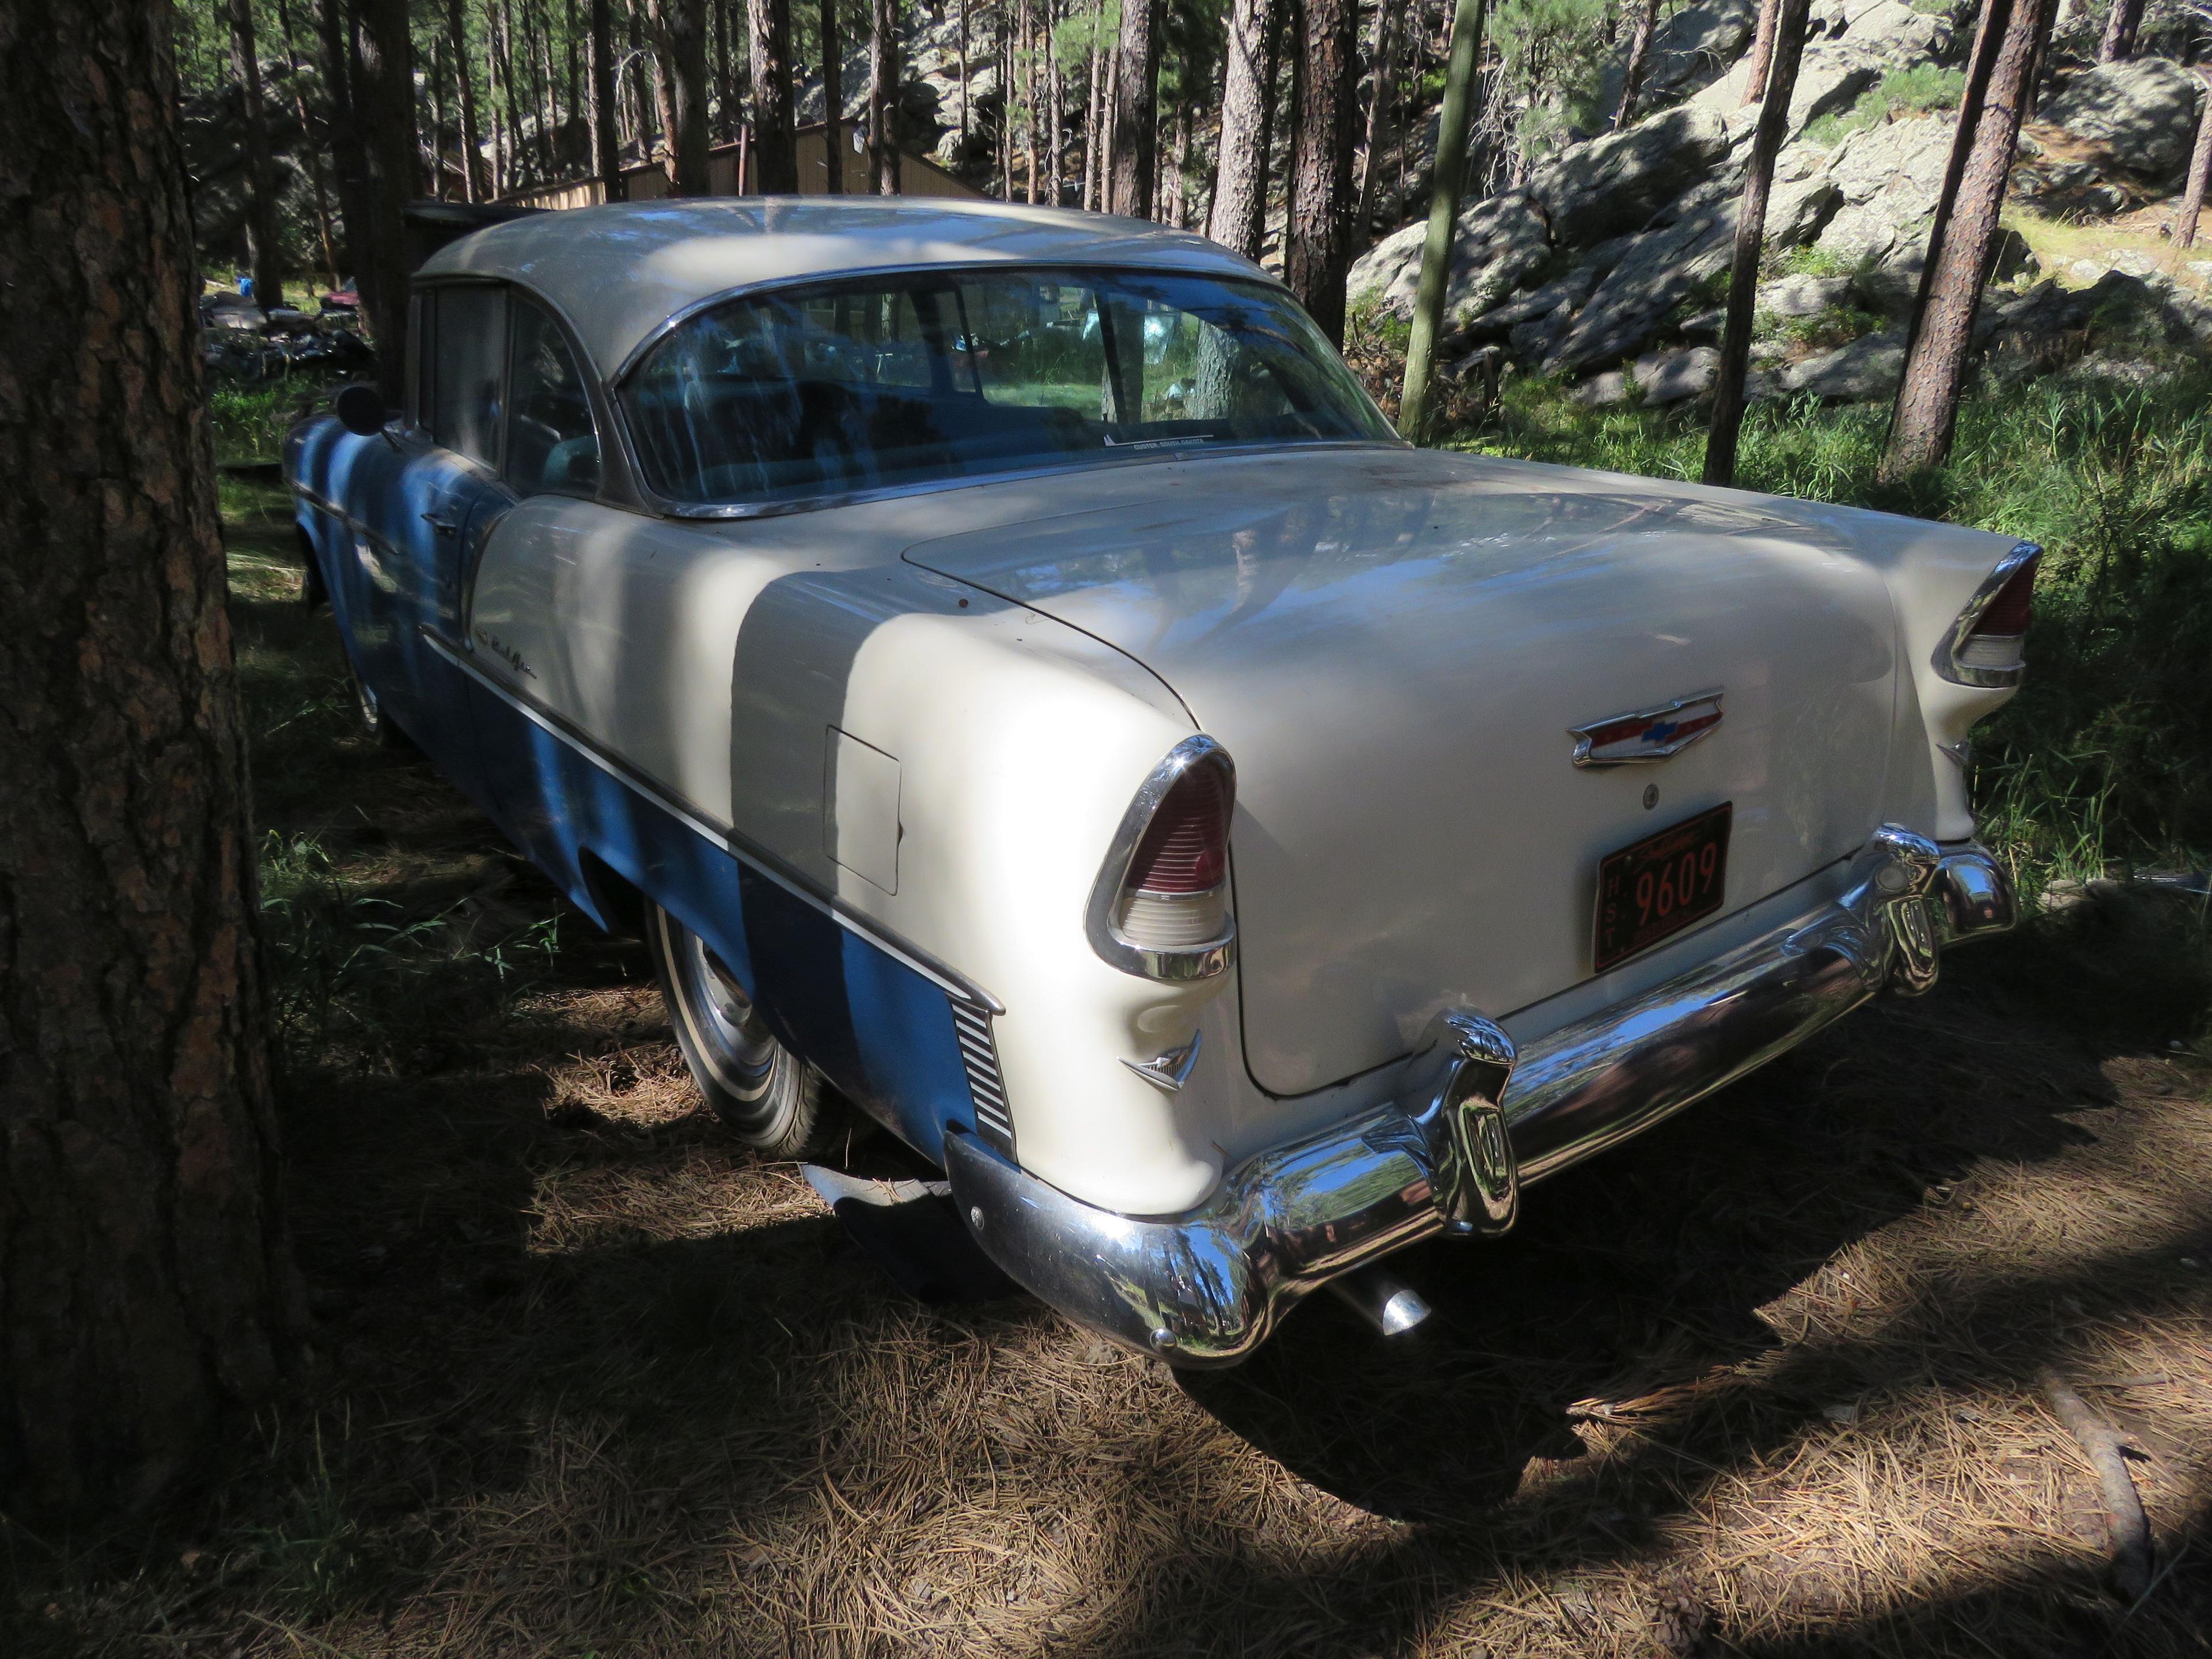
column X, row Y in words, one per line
column 2104, row 762
column 1914, row 91
column 250, row 421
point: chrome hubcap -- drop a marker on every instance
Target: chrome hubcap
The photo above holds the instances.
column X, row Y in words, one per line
column 737, row 1046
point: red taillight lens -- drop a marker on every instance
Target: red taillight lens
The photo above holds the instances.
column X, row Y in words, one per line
column 2007, row 615
column 1185, row 848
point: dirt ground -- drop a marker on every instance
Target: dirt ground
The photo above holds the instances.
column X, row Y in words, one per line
column 588, row 1380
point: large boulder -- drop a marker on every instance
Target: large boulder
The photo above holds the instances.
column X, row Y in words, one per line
column 2141, row 115
column 1894, row 33
column 1868, row 368
column 1889, row 178
column 1497, row 245
column 1613, row 184
column 1691, row 49
column 1665, row 267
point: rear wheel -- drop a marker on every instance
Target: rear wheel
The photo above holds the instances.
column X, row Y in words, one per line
column 768, row 1097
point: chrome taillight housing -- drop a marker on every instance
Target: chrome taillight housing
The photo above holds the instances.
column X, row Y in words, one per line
column 1160, row 906
column 1984, row 645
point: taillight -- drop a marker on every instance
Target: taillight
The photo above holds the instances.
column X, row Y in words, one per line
column 1984, row 646
column 1160, row 906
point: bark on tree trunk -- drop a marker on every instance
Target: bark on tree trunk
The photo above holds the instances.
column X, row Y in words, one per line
column 1317, row 240
column 385, row 100
column 1453, row 122
column 1237, row 217
column 774, row 149
column 1383, row 56
column 144, row 1284
column 549, row 118
column 1056, row 105
column 1639, row 56
column 1136, row 109
column 261, row 228
column 1963, row 233
column 1789, row 46
column 1762, row 53
column 1091, row 129
column 2200, row 172
column 1029, row 97
column 833, row 98
column 313, row 150
column 347, row 160
column 457, row 36
column 964, row 74
column 606, row 118
column 2120, row 26
column 882, row 96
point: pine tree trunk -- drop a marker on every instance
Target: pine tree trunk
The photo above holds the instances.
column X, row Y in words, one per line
column 1455, row 122
column 1238, row 217
column 1056, row 105
column 1639, row 58
column 384, row 102
column 1762, row 52
column 347, row 159
column 833, row 98
column 606, row 117
column 775, row 162
column 144, row 1280
column 307, row 143
column 2200, row 172
column 1092, row 128
column 548, row 113
column 882, row 96
column 1383, row 56
column 1965, row 233
column 477, row 187
column 1317, row 242
column 261, row 232
column 1029, row 97
column 1788, row 47
column 2118, row 45
column 1136, row 110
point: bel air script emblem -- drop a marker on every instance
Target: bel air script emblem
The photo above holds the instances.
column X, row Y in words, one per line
column 1650, row 734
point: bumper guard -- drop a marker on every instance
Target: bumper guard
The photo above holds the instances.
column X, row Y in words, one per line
column 1476, row 1123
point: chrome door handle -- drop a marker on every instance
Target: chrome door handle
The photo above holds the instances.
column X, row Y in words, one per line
column 443, row 526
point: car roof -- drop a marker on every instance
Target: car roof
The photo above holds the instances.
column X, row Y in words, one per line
column 619, row 272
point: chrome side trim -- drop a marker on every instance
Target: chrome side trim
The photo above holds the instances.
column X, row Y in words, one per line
column 987, row 1085
column 1945, row 660
column 759, row 858
column 1474, row 1123
column 1190, row 962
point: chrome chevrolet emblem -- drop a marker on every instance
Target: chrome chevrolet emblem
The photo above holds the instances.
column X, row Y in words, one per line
column 1650, row 734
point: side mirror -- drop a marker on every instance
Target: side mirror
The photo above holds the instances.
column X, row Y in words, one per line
column 360, row 409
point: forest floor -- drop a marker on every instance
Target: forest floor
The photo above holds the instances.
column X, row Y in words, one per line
column 588, row 1379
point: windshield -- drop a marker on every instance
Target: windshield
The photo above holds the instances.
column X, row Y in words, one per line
column 907, row 379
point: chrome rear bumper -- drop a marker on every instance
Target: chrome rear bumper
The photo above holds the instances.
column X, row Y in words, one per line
column 1477, row 1123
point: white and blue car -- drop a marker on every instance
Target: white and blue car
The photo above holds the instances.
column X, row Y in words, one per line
column 1023, row 688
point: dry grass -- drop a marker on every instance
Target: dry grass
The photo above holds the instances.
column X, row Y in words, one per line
column 588, row 1381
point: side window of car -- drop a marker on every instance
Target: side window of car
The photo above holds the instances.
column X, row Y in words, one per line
column 472, row 347
column 550, row 444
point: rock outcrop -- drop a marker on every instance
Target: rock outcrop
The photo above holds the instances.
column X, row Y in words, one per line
column 2139, row 116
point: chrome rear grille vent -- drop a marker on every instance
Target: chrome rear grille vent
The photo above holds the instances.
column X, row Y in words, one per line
column 980, row 1055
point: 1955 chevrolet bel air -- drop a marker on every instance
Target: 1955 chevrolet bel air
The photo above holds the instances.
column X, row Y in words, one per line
column 1021, row 688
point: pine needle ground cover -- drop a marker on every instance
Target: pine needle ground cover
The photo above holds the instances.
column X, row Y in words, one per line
column 586, row 1379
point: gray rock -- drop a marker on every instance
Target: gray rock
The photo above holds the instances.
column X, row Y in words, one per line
column 1613, row 184
column 1893, row 32
column 1637, row 295
column 2142, row 114
column 1603, row 390
column 1497, row 245
column 1689, row 49
column 1900, row 164
column 1803, row 296
column 1858, row 236
column 1669, row 377
column 1830, row 79
column 1867, row 369
column 1570, row 291
column 1797, row 212
column 1893, row 283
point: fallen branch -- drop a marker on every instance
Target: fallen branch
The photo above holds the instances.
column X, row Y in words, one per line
column 2131, row 1551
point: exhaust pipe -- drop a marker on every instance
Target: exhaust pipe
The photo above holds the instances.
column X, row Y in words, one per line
column 1381, row 1298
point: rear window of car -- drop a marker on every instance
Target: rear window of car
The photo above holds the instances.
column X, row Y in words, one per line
column 870, row 383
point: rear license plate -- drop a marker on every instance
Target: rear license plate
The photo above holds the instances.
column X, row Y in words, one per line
column 1661, row 885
